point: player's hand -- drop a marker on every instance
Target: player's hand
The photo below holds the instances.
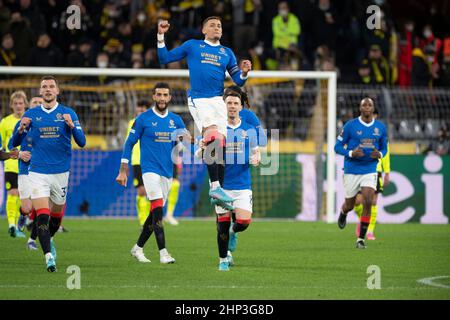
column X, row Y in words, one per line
column 14, row 153
column 357, row 153
column 24, row 155
column 375, row 154
column 255, row 158
column 122, row 177
column 386, row 180
column 24, row 123
column 246, row 66
column 163, row 26
column 68, row 120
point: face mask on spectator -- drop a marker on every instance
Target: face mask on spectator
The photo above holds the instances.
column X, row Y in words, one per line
column 283, row 13
column 141, row 18
column 259, row 50
column 427, row 33
column 102, row 64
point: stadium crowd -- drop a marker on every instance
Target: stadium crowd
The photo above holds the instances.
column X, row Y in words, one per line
column 411, row 47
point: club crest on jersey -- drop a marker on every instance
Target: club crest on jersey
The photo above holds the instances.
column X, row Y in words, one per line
column 222, row 50
column 59, row 117
column 171, row 124
column 376, row 132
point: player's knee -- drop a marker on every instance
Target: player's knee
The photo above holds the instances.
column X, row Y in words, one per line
column 212, row 134
column 241, row 225
column 141, row 191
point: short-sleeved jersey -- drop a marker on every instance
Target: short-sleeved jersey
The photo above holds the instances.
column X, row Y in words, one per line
column 158, row 136
column 384, row 164
column 6, row 130
column 240, row 141
column 251, row 118
column 207, row 65
column 136, row 153
column 51, row 138
column 367, row 136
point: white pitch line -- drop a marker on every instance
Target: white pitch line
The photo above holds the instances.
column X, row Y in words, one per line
column 25, row 286
column 430, row 282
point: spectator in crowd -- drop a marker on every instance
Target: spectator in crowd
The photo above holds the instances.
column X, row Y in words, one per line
column 325, row 25
column 23, row 38
column 441, row 145
column 434, row 44
column 4, row 17
column 405, row 54
column 445, row 70
column 7, row 53
column 68, row 38
column 137, row 60
column 245, row 24
column 286, row 30
column 364, row 72
column 46, row 53
column 31, row 12
column 102, row 60
column 421, row 74
column 379, row 66
column 118, row 57
column 82, row 56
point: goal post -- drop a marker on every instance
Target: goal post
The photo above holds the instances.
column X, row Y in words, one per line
column 271, row 77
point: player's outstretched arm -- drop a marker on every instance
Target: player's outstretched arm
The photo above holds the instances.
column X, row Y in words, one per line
column 72, row 122
column 165, row 56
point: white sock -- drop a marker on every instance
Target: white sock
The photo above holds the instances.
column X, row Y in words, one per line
column 229, row 252
column 215, row 184
column 12, row 225
column 31, row 240
column 223, row 260
column 163, row 252
column 136, row 247
column 360, row 239
column 48, row 256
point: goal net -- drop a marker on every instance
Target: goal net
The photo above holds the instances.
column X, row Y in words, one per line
column 298, row 109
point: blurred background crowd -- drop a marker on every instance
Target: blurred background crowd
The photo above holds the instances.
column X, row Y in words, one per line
column 411, row 47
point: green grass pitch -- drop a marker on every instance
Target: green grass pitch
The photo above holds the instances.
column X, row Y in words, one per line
column 274, row 260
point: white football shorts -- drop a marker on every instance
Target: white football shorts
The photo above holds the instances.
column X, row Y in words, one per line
column 207, row 112
column 156, row 186
column 354, row 182
column 243, row 199
column 53, row 186
column 23, row 185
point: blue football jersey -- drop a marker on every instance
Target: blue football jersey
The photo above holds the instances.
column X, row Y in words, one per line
column 50, row 138
column 367, row 136
column 158, row 136
column 251, row 118
column 240, row 141
column 207, row 65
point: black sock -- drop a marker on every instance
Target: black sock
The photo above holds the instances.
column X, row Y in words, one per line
column 43, row 232
column 363, row 230
column 147, row 230
column 223, row 235
column 221, row 169
column 34, row 230
column 210, row 157
column 239, row 227
column 158, row 227
column 54, row 225
column 213, row 172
